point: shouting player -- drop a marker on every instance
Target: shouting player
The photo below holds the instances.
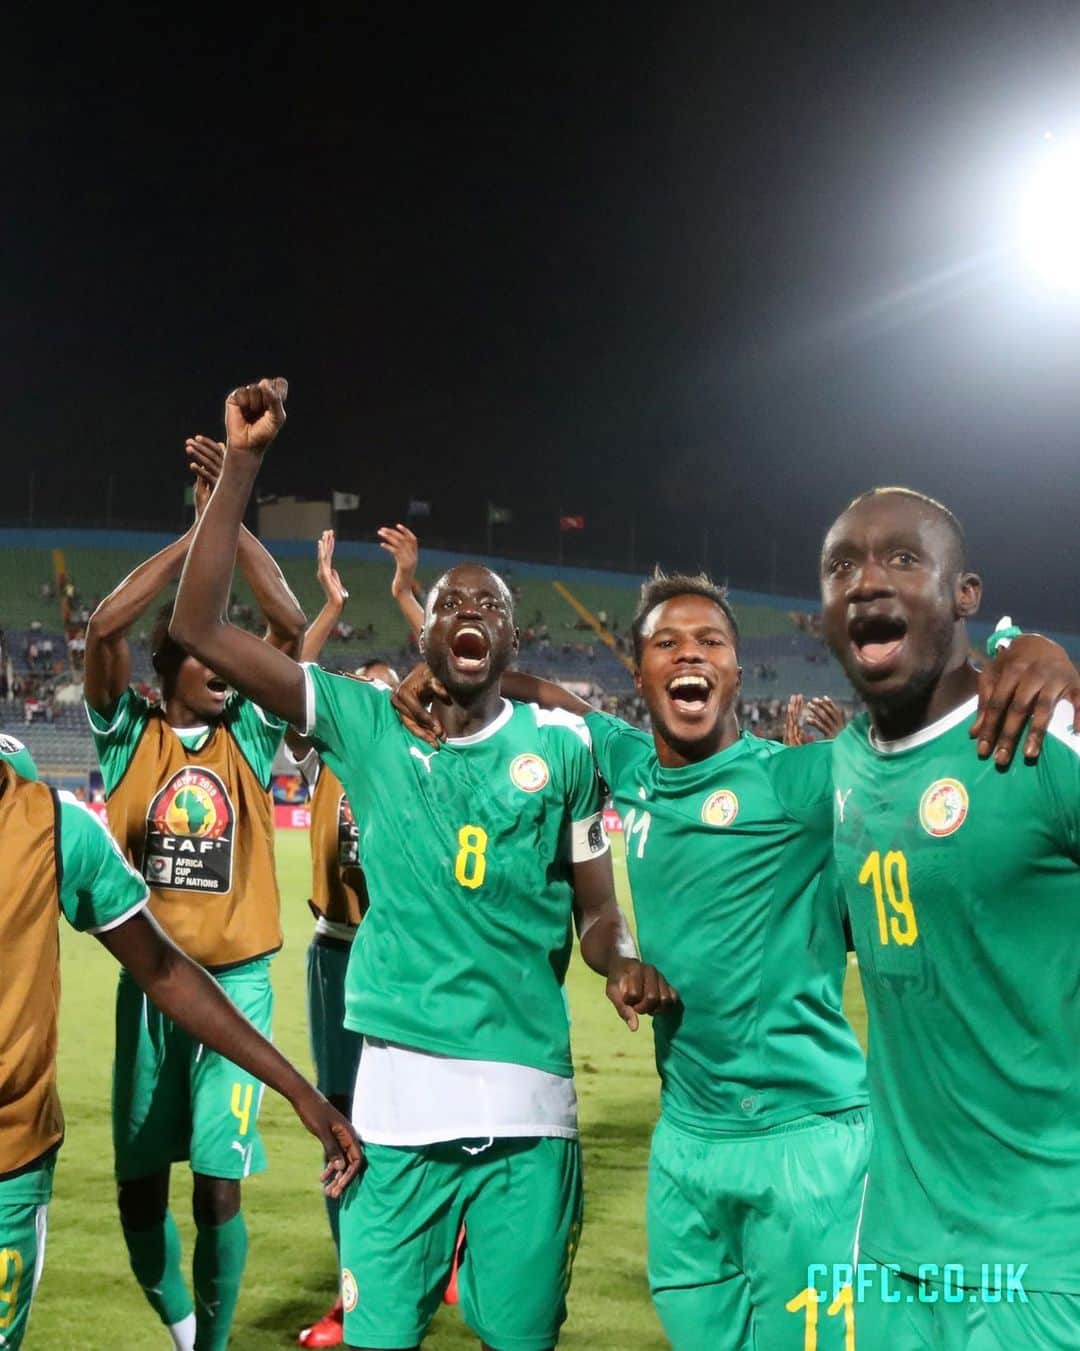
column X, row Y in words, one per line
column 56, row 856
column 187, row 786
column 962, row 879
column 477, row 855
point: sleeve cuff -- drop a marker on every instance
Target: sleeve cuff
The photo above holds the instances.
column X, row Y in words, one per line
column 121, row 919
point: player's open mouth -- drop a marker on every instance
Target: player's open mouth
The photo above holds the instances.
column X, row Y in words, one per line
column 469, row 649
column 217, row 686
column 877, row 639
column 689, row 693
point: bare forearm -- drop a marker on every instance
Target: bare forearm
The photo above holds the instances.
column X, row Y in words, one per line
column 107, row 660
column 319, row 633
column 130, row 600
column 195, row 1001
column 605, row 936
column 530, row 689
column 273, row 595
column 411, row 608
column 255, row 668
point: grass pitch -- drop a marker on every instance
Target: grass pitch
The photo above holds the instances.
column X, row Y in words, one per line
column 88, row 1299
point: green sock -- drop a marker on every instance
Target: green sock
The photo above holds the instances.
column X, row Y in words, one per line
column 154, row 1254
column 220, row 1254
column 333, row 1214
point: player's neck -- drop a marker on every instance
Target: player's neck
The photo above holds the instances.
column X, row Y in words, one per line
column 955, row 686
column 678, row 754
column 466, row 718
column 177, row 714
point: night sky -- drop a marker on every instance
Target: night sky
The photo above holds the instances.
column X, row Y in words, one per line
column 698, row 272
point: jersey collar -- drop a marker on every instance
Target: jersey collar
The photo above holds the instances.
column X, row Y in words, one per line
column 924, row 734
column 495, row 725
column 705, row 769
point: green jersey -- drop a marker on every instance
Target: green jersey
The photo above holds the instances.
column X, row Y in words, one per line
column 962, row 883
column 737, row 905
column 468, row 854
column 18, row 757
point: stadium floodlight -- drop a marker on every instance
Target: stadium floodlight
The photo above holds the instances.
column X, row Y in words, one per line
column 1049, row 218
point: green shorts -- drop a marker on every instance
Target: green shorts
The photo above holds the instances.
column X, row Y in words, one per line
column 735, row 1222
column 520, row 1202
column 24, row 1203
column 334, row 1049
column 175, row 1099
column 894, row 1312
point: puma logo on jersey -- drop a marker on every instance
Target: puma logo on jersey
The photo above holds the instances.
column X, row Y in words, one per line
column 841, row 803
column 427, row 759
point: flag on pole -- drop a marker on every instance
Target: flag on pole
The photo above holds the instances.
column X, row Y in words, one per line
column 499, row 515
column 418, row 508
column 571, row 523
column 346, row 501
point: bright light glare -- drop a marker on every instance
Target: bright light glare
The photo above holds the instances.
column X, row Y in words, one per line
column 1050, row 218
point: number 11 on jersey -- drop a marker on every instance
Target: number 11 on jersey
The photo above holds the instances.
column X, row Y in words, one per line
column 633, row 824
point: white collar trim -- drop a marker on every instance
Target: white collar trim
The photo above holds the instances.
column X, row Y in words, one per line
column 495, row 725
column 925, row 734
column 190, row 731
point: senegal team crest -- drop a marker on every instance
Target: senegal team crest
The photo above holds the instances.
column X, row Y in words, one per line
column 943, row 808
column 189, row 834
column 721, row 808
column 348, row 835
column 349, row 1292
column 529, row 773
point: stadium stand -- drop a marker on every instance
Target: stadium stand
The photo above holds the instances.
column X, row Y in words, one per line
column 49, row 576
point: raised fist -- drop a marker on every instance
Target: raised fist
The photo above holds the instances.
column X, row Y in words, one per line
column 254, row 414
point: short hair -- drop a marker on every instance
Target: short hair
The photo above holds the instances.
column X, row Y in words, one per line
column 952, row 524
column 661, row 587
column 429, row 599
column 166, row 654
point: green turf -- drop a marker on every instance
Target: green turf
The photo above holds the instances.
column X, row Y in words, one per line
column 88, row 1298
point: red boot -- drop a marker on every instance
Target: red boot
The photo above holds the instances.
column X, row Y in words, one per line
column 328, row 1331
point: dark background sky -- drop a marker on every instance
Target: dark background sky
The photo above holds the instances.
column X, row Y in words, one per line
column 680, row 268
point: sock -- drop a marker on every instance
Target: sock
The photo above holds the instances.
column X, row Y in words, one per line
column 333, row 1214
column 154, row 1254
column 183, row 1334
column 220, row 1254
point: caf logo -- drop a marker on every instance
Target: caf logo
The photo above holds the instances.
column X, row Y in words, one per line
column 349, row 1292
column 943, row 808
column 721, row 808
column 529, row 773
column 192, row 805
